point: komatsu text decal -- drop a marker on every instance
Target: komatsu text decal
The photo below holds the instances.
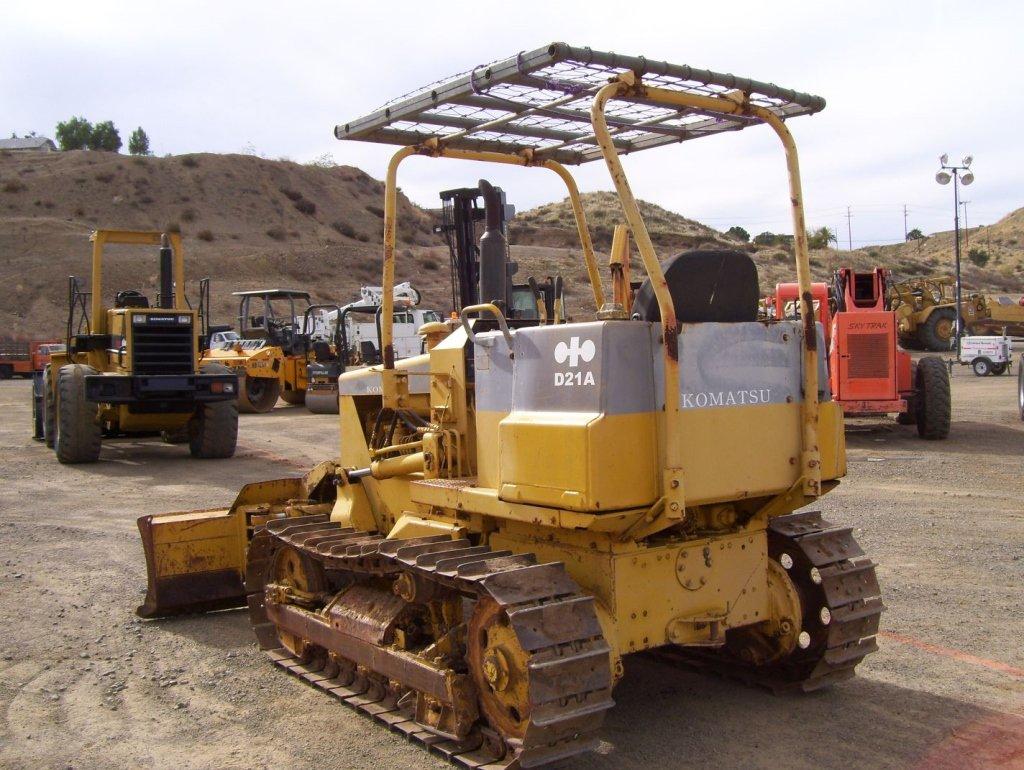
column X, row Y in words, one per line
column 744, row 397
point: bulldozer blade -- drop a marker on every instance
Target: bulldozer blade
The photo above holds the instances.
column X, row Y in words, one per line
column 195, row 562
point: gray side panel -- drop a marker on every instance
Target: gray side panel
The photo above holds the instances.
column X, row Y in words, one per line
column 603, row 366
column 366, row 382
column 738, row 364
column 492, row 367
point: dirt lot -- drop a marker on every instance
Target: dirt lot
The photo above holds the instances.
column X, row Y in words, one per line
column 84, row 684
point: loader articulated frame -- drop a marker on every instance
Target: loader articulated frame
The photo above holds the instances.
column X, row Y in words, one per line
column 628, row 84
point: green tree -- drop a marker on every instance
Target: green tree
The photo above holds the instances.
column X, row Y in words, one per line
column 766, row 239
column 820, row 238
column 738, row 233
column 138, row 142
column 74, row 134
column 105, row 137
column 915, row 234
column 980, row 257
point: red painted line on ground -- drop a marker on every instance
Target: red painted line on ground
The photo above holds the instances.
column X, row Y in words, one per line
column 948, row 652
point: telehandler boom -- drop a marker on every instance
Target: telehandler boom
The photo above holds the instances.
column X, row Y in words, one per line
column 514, row 512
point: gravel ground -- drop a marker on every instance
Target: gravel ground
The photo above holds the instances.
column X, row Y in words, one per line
column 83, row 683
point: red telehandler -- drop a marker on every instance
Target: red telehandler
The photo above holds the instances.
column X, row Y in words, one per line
column 869, row 373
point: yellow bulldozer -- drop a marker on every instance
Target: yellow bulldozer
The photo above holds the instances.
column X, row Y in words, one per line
column 513, row 513
column 134, row 369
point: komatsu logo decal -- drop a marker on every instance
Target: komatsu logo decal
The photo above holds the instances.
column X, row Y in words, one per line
column 746, row 397
column 572, row 354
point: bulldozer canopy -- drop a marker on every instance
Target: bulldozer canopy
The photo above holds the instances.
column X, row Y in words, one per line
column 540, row 100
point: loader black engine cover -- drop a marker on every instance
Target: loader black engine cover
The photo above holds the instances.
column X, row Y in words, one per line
column 706, row 285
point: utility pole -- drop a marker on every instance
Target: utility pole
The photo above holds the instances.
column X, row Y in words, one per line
column 961, row 174
column 849, row 229
column 967, row 227
column 904, row 222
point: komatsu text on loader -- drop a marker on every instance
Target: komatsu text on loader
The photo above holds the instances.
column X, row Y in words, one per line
column 134, row 368
column 512, row 514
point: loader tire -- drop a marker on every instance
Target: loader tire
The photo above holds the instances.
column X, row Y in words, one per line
column 78, row 434
column 38, row 393
column 257, row 395
column 213, row 430
column 932, row 398
column 937, row 332
column 293, row 396
column 49, row 410
column 1020, row 387
column 179, row 436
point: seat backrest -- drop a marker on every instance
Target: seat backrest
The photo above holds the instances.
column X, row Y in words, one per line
column 706, row 285
column 130, row 298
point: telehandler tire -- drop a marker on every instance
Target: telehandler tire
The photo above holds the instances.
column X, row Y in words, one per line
column 213, row 430
column 908, row 417
column 257, row 395
column 293, row 396
column 932, row 398
column 49, row 410
column 937, row 332
column 78, row 433
column 982, row 367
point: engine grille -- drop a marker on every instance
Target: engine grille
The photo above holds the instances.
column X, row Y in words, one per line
column 162, row 348
column 869, row 356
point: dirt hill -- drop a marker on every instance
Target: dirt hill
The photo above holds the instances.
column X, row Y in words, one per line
column 249, row 222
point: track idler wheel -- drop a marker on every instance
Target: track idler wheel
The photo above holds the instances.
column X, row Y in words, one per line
column 302, row 581
column 497, row 663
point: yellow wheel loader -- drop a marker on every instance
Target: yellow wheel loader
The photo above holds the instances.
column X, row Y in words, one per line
column 512, row 514
column 926, row 309
column 132, row 369
column 270, row 351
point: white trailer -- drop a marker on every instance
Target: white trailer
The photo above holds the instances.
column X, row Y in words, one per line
column 986, row 354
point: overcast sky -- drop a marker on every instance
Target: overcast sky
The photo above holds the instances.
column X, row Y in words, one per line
column 904, row 80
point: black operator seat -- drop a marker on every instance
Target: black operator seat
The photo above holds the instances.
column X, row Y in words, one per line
column 707, row 285
column 130, row 298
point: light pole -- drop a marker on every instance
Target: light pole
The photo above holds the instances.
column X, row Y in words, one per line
column 959, row 174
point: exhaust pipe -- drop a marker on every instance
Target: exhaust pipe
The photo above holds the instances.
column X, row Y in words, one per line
column 493, row 249
column 166, row 273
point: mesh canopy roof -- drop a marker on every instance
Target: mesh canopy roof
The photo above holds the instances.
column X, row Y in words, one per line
column 541, row 100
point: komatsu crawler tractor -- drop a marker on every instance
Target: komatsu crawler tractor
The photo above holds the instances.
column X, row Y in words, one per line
column 515, row 512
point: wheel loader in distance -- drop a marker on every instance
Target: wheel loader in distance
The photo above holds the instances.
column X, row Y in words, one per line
column 926, row 309
column 135, row 369
column 515, row 512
